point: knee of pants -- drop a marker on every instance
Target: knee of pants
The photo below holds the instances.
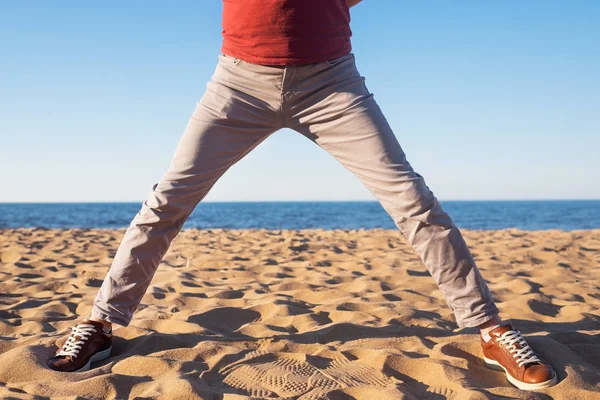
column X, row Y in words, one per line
column 414, row 201
column 167, row 203
column 412, row 196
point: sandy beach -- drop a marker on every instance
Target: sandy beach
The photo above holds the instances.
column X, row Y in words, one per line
column 310, row 314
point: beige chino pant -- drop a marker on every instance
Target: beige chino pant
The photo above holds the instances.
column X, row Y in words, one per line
column 329, row 103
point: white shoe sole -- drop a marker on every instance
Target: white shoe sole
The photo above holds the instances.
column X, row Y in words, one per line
column 101, row 355
column 493, row 364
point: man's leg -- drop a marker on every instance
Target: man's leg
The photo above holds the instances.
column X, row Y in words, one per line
column 230, row 120
column 335, row 109
column 342, row 117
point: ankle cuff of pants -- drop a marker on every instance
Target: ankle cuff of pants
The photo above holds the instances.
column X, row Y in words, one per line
column 478, row 319
column 106, row 317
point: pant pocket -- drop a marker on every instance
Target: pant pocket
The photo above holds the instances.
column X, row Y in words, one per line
column 229, row 59
column 338, row 60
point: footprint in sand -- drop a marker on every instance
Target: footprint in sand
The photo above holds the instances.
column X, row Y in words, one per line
column 292, row 375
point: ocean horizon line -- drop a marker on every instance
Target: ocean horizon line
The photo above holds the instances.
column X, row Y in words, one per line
column 299, row 201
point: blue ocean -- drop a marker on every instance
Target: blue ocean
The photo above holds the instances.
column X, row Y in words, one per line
column 528, row 215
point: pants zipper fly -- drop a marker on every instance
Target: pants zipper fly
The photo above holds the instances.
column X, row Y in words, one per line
column 285, row 83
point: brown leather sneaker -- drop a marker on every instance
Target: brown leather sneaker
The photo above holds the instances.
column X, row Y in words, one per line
column 86, row 343
column 508, row 351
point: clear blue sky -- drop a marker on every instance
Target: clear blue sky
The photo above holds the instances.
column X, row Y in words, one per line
column 489, row 99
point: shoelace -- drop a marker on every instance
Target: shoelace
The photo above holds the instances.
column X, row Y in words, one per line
column 72, row 346
column 523, row 354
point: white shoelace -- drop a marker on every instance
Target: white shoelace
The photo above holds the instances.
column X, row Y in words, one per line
column 523, row 354
column 72, row 346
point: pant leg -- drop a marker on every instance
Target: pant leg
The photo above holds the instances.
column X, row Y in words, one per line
column 334, row 108
column 227, row 123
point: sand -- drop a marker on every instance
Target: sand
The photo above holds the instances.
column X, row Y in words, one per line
column 296, row 315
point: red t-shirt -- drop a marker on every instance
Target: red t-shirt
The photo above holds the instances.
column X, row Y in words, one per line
column 286, row 32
